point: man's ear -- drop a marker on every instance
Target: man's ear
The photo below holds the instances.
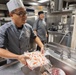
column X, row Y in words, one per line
column 10, row 14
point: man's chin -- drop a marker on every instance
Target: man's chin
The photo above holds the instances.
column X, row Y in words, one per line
column 24, row 22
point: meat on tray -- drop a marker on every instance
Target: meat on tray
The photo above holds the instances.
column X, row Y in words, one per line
column 36, row 59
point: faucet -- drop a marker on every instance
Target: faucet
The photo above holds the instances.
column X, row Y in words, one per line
column 69, row 54
column 61, row 55
column 63, row 37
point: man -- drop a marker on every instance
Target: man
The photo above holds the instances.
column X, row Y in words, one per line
column 40, row 28
column 15, row 35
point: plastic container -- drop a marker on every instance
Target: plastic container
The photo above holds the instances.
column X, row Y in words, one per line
column 36, row 59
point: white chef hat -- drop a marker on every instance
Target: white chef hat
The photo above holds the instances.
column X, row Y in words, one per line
column 14, row 4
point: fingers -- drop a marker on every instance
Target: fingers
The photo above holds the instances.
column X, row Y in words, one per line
column 42, row 50
column 22, row 59
column 26, row 57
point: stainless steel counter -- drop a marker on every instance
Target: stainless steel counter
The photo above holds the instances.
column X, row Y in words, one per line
column 62, row 57
column 55, row 32
column 60, row 37
column 13, row 68
column 16, row 68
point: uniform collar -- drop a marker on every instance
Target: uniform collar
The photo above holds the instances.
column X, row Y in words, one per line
column 40, row 19
column 16, row 26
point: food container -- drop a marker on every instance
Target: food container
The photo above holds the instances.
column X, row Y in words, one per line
column 36, row 59
column 56, row 71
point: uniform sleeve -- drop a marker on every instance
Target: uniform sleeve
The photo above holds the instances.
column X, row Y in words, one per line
column 35, row 25
column 45, row 25
column 2, row 38
column 33, row 36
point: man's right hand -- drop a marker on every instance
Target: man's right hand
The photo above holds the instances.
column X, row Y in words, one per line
column 22, row 59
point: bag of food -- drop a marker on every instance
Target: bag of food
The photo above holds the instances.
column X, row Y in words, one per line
column 36, row 59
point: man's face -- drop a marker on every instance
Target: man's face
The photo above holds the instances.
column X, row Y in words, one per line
column 19, row 16
column 41, row 16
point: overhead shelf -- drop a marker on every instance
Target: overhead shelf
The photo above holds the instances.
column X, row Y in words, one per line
column 70, row 0
column 61, row 12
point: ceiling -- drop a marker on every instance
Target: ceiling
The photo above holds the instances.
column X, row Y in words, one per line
column 26, row 2
column 70, row 0
column 29, row 2
column 5, row 1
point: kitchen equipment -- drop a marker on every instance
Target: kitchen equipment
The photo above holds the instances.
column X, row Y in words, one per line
column 65, row 60
column 72, row 6
column 56, row 71
column 2, row 61
column 28, row 71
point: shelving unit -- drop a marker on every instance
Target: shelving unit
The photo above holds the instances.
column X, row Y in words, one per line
column 61, row 12
column 70, row 0
column 65, row 11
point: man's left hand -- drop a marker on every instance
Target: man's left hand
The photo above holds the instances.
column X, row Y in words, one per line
column 42, row 50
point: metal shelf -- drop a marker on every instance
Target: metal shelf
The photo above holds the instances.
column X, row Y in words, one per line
column 70, row 0
column 62, row 12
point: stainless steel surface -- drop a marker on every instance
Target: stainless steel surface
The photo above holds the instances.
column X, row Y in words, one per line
column 65, row 67
column 16, row 68
column 26, row 2
column 4, row 2
column 70, row 0
column 38, row 70
column 68, row 64
column 57, row 48
column 13, row 68
column 60, row 4
column 56, row 53
column 27, row 71
column 60, row 37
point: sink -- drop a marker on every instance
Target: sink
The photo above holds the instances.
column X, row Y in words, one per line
column 67, row 65
column 62, row 57
column 28, row 71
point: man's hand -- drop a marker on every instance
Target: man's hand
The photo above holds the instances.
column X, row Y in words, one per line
column 22, row 59
column 42, row 50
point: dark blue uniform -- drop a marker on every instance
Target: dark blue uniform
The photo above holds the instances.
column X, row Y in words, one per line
column 41, row 29
column 14, row 39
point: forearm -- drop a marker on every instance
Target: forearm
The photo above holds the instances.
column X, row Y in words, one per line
column 38, row 41
column 7, row 54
